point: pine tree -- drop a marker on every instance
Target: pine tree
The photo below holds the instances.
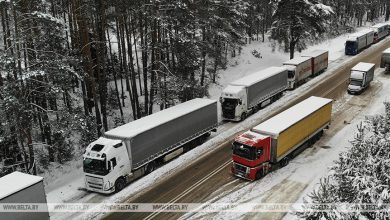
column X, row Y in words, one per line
column 359, row 177
column 295, row 21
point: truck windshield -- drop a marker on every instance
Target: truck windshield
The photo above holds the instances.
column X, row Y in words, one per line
column 244, row 151
column 350, row 44
column 355, row 82
column 229, row 103
column 291, row 74
column 94, row 166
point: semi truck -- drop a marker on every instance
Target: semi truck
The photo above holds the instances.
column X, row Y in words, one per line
column 246, row 95
column 358, row 41
column 130, row 151
column 299, row 69
column 380, row 31
column 319, row 61
column 385, row 60
column 25, row 192
column 277, row 140
column 361, row 76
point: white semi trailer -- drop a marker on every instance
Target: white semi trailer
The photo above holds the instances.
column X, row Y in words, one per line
column 137, row 148
column 25, row 194
column 246, row 95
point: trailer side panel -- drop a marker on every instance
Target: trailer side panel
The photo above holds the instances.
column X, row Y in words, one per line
column 32, row 194
column 303, row 70
column 320, row 63
column 290, row 139
column 266, row 88
column 385, row 61
column 169, row 136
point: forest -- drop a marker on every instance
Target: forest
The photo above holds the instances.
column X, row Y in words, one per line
column 72, row 69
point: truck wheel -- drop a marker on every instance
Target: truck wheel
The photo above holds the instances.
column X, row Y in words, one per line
column 243, row 116
column 259, row 174
column 284, row 161
column 150, row 167
column 201, row 140
column 119, row 184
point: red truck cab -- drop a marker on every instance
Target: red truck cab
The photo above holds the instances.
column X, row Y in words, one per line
column 251, row 155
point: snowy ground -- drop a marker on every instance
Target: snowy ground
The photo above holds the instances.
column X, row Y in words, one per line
column 66, row 187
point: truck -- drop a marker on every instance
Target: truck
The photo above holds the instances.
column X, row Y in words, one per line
column 380, row 31
column 23, row 190
column 319, row 61
column 130, row 151
column 358, row 41
column 246, row 95
column 275, row 141
column 361, row 76
column 299, row 69
column 385, row 60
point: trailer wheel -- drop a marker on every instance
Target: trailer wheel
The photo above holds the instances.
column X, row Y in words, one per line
column 284, row 161
column 119, row 184
column 150, row 167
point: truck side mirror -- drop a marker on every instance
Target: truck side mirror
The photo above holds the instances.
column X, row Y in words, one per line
column 240, row 101
column 220, row 99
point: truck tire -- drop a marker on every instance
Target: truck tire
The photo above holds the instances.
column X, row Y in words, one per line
column 284, row 162
column 259, row 174
column 243, row 116
column 201, row 140
column 119, row 184
column 150, row 167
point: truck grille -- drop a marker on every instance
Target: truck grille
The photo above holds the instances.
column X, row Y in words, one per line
column 240, row 169
column 228, row 113
column 94, row 182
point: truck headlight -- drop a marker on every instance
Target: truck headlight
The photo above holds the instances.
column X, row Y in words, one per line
column 107, row 185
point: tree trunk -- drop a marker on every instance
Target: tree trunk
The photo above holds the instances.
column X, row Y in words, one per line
column 120, row 59
column 133, row 28
column 154, row 68
column 100, row 59
column 143, row 26
column 292, row 49
column 203, row 71
column 87, row 58
column 136, row 109
column 114, row 74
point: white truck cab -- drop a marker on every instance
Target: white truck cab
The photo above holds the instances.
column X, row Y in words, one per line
column 361, row 76
column 233, row 101
column 104, row 161
column 356, row 82
column 291, row 69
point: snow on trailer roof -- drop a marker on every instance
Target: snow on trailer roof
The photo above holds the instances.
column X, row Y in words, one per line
column 296, row 61
column 387, row 50
column 258, row 76
column 379, row 25
column 16, row 181
column 359, row 34
column 232, row 89
column 363, row 66
column 136, row 127
column 314, row 53
column 366, row 31
column 275, row 125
